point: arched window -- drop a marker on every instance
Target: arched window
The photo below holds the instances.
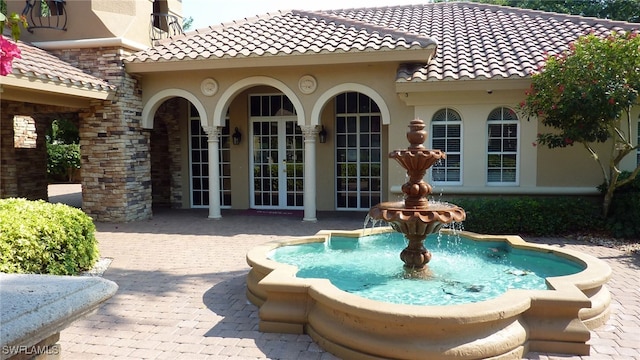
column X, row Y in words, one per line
column 502, row 147
column 446, row 135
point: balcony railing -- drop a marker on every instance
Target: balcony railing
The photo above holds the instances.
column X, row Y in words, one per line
column 164, row 26
column 45, row 14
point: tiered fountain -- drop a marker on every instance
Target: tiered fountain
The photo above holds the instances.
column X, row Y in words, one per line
column 415, row 217
column 553, row 319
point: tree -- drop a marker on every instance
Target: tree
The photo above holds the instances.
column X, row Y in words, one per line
column 586, row 94
column 187, row 23
column 63, row 150
column 624, row 10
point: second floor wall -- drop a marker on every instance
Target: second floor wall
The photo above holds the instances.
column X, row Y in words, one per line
column 130, row 20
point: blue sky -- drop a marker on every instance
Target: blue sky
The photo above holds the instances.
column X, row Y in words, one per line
column 212, row 12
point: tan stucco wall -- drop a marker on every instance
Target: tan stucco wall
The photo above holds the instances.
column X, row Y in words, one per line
column 380, row 77
column 238, row 117
column 97, row 19
column 574, row 165
column 474, row 107
column 570, row 166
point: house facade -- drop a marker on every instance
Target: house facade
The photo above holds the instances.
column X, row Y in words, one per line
column 298, row 110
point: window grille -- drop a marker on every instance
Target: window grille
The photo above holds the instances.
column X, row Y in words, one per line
column 502, row 147
column 446, row 135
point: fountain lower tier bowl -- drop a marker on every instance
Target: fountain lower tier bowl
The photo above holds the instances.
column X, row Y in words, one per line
column 508, row 326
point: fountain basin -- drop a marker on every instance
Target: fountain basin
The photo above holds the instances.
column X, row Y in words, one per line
column 507, row 327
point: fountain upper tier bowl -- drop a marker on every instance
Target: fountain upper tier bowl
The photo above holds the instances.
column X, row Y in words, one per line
column 555, row 320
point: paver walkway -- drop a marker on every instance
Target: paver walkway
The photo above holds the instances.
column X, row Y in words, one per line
column 182, row 292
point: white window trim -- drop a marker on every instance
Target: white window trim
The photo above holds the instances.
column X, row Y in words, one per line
column 447, row 122
column 486, row 146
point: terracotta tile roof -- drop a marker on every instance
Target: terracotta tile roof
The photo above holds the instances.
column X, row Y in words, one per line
column 474, row 41
column 41, row 65
column 289, row 33
column 482, row 41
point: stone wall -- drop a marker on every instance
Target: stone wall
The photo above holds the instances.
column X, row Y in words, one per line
column 23, row 170
column 166, row 153
column 8, row 170
column 116, row 167
column 160, row 167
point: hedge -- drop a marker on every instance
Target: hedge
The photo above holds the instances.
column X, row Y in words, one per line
column 624, row 214
column 532, row 216
column 38, row 237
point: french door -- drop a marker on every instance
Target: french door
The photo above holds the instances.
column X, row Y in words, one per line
column 277, row 160
column 358, row 152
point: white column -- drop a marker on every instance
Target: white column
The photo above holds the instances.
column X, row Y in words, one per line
column 213, row 141
column 310, row 135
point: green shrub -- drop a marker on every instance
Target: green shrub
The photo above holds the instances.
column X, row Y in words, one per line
column 62, row 160
column 624, row 214
column 532, row 216
column 42, row 238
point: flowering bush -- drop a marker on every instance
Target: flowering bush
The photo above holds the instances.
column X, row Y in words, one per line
column 8, row 51
column 586, row 94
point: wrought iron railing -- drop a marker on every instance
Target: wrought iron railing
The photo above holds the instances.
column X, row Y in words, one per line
column 164, row 26
column 45, row 14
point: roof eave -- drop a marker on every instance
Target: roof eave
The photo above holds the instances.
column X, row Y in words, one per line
column 21, row 88
column 424, row 54
column 465, row 84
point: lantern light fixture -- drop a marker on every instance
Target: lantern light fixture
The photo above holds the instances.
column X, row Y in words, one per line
column 322, row 135
column 237, row 137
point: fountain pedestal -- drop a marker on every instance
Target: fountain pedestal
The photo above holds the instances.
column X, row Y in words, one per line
column 415, row 217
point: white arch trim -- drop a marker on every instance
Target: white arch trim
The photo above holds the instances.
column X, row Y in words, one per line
column 156, row 100
column 225, row 99
column 338, row 89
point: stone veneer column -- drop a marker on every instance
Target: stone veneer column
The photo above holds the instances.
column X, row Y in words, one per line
column 310, row 134
column 213, row 139
column 116, row 166
column 8, row 171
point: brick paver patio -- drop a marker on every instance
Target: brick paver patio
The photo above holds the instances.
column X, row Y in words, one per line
column 182, row 292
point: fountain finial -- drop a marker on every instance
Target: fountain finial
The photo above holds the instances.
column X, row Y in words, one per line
column 416, row 134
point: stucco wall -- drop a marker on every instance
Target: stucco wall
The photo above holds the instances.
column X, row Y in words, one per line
column 99, row 19
column 474, row 108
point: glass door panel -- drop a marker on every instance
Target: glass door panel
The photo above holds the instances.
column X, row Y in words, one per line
column 278, row 163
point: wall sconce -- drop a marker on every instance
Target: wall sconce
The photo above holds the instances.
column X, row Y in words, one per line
column 323, row 135
column 237, row 137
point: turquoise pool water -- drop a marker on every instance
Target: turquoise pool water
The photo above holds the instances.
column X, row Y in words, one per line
column 463, row 270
